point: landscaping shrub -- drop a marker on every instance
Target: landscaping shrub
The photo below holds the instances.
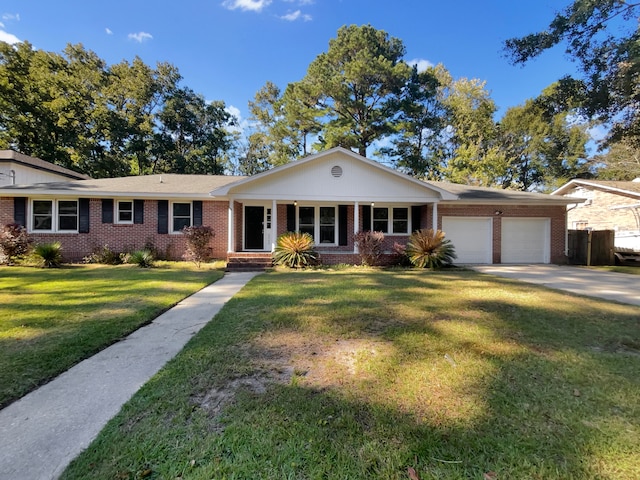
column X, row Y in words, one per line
column 49, row 255
column 104, row 255
column 142, row 258
column 369, row 246
column 400, row 255
column 429, row 249
column 198, row 239
column 295, row 250
column 14, row 243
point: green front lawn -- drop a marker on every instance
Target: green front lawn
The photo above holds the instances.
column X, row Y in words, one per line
column 362, row 374
column 52, row 318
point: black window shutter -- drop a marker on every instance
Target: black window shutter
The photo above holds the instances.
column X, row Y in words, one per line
column 416, row 215
column 107, row 210
column 163, row 216
column 342, row 225
column 138, row 211
column 291, row 218
column 83, row 211
column 366, row 218
column 20, row 211
column 197, row 213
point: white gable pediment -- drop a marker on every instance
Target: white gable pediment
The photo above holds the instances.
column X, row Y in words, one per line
column 337, row 175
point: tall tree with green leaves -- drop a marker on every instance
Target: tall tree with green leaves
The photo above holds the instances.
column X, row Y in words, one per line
column 355, row 85
column 544, row 149
column 603, row 37
column 415, row 146
column 621, row 161
column 194, row 134
column 470, row 149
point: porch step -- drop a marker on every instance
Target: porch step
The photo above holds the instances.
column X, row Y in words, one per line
column 248, row 262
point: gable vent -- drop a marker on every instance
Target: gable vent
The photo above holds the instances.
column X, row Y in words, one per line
column 336, row 171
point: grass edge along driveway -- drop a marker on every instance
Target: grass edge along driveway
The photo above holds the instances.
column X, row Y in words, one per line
column 50, row 319
column 365, row 373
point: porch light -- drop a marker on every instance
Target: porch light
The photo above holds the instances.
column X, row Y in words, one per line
column 295, row 203
column 498, row 212
column 373, row 204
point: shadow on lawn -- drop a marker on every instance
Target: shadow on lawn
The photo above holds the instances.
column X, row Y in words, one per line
column 555, row 400
column 451, row 376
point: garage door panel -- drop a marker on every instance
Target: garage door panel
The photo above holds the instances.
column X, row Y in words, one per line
column 525, row 240
column 471, row 237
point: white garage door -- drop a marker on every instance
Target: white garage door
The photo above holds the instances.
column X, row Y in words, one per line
column 471, row 237
column 525, row 240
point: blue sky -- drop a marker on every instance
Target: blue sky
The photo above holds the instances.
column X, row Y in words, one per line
column 228, row 49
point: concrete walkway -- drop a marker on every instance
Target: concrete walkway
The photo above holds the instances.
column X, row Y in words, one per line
column 42, row 432
column 620, row 287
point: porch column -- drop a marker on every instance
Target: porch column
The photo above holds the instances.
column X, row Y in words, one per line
column 274, row 225
column 435, row 216
column 356, row 222
column 230, row 227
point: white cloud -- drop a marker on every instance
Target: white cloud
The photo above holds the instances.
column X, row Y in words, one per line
column 297, row 15
column 246, row 5
column 108, row 31
column 1, row 25
column 421, row 63
column 8, row 38
column 8, row 17
column 140, row 36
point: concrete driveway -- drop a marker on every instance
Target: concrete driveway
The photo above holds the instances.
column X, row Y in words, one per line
column 619, row 287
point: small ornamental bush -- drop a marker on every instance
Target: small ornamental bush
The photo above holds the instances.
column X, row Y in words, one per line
column 198, row 239
column 369, row 246
column 14, row 243
column 429, row 249
column 104, row 255
column 49, row 255
column 142, row 258
column 295, row 250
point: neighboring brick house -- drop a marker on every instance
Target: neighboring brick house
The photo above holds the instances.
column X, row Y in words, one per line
column 19, row 169
column 331, row 195
column 605, row 205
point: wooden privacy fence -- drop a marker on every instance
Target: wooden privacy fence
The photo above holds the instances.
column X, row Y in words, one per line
column 591, row 247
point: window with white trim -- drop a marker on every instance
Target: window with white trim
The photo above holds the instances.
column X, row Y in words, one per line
column 319, row 222
column 180, row 216
column 394, row 220
column 124, row 211
column 54, row 216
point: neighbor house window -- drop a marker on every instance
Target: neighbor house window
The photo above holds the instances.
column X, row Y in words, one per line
column 125, row 211
column 319, row 222
column 54, row 216
column 181, row 216
column 391, row 220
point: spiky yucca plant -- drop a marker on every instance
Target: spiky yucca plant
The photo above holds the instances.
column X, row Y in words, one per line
column 295, row 250
column 429, row 249
column 49, row 254
column 142, row 258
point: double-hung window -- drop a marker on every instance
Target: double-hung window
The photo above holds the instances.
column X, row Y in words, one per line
column 54, row 216
column 181, row 215
column 394, row 220
column 125, row 211
column 319, row 222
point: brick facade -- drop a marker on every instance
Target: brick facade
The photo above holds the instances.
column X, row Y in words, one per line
column 556, row 213
column 128, row 237
column 215, row 214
